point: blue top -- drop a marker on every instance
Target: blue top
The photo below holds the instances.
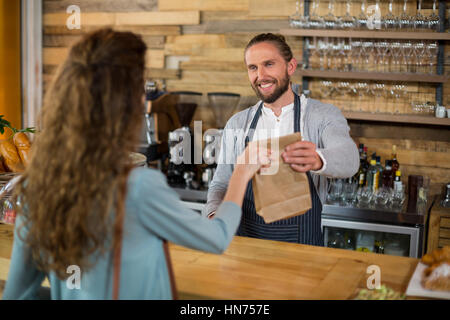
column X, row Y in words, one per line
column 153, row 211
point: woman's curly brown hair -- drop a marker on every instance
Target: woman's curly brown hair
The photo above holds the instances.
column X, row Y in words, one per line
column 80, row 160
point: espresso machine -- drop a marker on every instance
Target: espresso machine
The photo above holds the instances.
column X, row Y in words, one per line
column 223, row 105
column 160, row 117
column 181, row 170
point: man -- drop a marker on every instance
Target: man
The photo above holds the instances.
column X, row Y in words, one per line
column 325, row 151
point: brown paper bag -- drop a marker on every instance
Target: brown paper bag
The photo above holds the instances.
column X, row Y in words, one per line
column 284, row 194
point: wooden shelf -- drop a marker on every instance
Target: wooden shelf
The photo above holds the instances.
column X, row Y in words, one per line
column 407, row 77
column 366, row 34
column 399, row 118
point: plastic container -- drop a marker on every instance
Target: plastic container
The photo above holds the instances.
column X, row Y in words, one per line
column 365, row 241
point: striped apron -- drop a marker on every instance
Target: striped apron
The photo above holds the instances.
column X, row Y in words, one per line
column 305, row 229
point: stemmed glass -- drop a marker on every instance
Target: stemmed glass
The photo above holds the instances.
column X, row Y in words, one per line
column 367, row 52
column 331, row 21
column 356, row 55
column 348, row 21
column 346, row 52
column 419, row 50
column 431, row 52
column 407, row 53
column 396, row 53
column 362, row 89
column 323, row 49
column 384, row 46
column 381, row 48
column 294, row 20
column 298, row 20
column 337, row 55
column 326, row 88
column 433, row 20
column 316, row 21
column 390, row 21
column 405, row 20
column 362, row 18
column 419, row 20
column 399, row 91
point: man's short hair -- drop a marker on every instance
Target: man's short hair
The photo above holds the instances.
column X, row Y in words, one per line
column 277, row 39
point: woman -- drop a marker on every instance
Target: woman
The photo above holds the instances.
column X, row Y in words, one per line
column 79, row 196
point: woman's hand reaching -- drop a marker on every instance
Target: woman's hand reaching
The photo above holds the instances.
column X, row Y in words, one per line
column 247, row 164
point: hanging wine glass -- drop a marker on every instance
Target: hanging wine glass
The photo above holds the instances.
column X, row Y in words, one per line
column 316, row 21
column 362, row 18
column 298, row 19
column 326, row 88
column 346, row 54
column 407, row 52
column 368, row 51
column 322, row 49
column 405, row 19
column 419, row 20
column 433, row 20
column 431, row 52
column 396, row 53
column 294, row 20
column 362, row 88
column 331, row 21
column 355, row 55
column 389, row 21
column 348, row 21
column 419, row 51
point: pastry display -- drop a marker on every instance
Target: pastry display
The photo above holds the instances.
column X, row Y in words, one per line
column 11, row 158
column 23, row 146
column 14, row 150
column 437, row 275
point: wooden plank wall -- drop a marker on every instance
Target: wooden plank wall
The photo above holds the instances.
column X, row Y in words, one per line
column 198, row 45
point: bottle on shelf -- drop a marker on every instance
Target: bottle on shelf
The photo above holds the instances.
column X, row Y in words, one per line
column 360, row 176
column 395, row 164
column 379, row 166
column 349, row 240
column 446, row 202
column 373, row 176
column 379, row 244
column 387, row 177
column 398, row 186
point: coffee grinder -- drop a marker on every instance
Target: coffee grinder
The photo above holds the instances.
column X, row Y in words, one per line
column 223, row 105
column 181, row 171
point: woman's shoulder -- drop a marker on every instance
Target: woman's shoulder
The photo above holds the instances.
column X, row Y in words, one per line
column 145, row 176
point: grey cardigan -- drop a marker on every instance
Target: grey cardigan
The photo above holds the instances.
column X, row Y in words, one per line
column 322, row 124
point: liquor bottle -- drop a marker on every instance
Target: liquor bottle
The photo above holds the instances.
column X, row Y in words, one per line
column 361, row 149
column 360, row 176
column 395, row 164
column 398, row 181
column 373, row 176
column 364, row 159
column 388, row 178
column 379, row 167
column 446, row 202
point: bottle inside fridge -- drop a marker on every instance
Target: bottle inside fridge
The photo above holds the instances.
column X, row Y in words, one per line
column 367, row 241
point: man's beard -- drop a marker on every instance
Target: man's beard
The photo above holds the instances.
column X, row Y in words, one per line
column 282, row 88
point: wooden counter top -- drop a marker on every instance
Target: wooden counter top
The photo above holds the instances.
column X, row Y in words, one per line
column 262, row 269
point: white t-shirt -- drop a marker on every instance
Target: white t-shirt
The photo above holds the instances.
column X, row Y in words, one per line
column 270, row 126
